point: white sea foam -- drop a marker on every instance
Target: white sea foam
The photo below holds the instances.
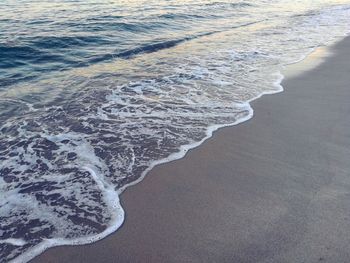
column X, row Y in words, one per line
column 14, row 241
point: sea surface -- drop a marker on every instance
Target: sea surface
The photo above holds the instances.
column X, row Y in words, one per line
column 95, row 93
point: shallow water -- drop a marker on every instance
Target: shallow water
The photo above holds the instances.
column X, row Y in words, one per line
column 93, row 94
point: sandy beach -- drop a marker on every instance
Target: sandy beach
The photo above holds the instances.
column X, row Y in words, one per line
column 273, row 189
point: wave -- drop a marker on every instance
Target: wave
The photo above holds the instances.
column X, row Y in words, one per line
column 55, row 42
column 43, row 54
column 177, row 16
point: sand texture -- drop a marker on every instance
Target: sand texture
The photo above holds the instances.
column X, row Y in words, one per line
column 273, row 189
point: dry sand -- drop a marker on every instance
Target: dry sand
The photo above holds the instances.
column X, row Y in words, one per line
column 273, row 189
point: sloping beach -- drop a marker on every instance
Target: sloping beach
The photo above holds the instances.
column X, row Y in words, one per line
column 273, row 189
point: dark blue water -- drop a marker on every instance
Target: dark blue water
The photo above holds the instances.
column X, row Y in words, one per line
column 93, row 94
column 84, row 33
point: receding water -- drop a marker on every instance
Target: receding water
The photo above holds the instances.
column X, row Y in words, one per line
column 93, row 94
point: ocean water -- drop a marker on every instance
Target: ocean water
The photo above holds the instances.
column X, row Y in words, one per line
column 93, row 94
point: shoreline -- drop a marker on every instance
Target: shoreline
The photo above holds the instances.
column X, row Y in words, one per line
column 164, row 168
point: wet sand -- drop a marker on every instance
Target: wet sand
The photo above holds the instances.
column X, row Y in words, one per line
column 273, row 189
